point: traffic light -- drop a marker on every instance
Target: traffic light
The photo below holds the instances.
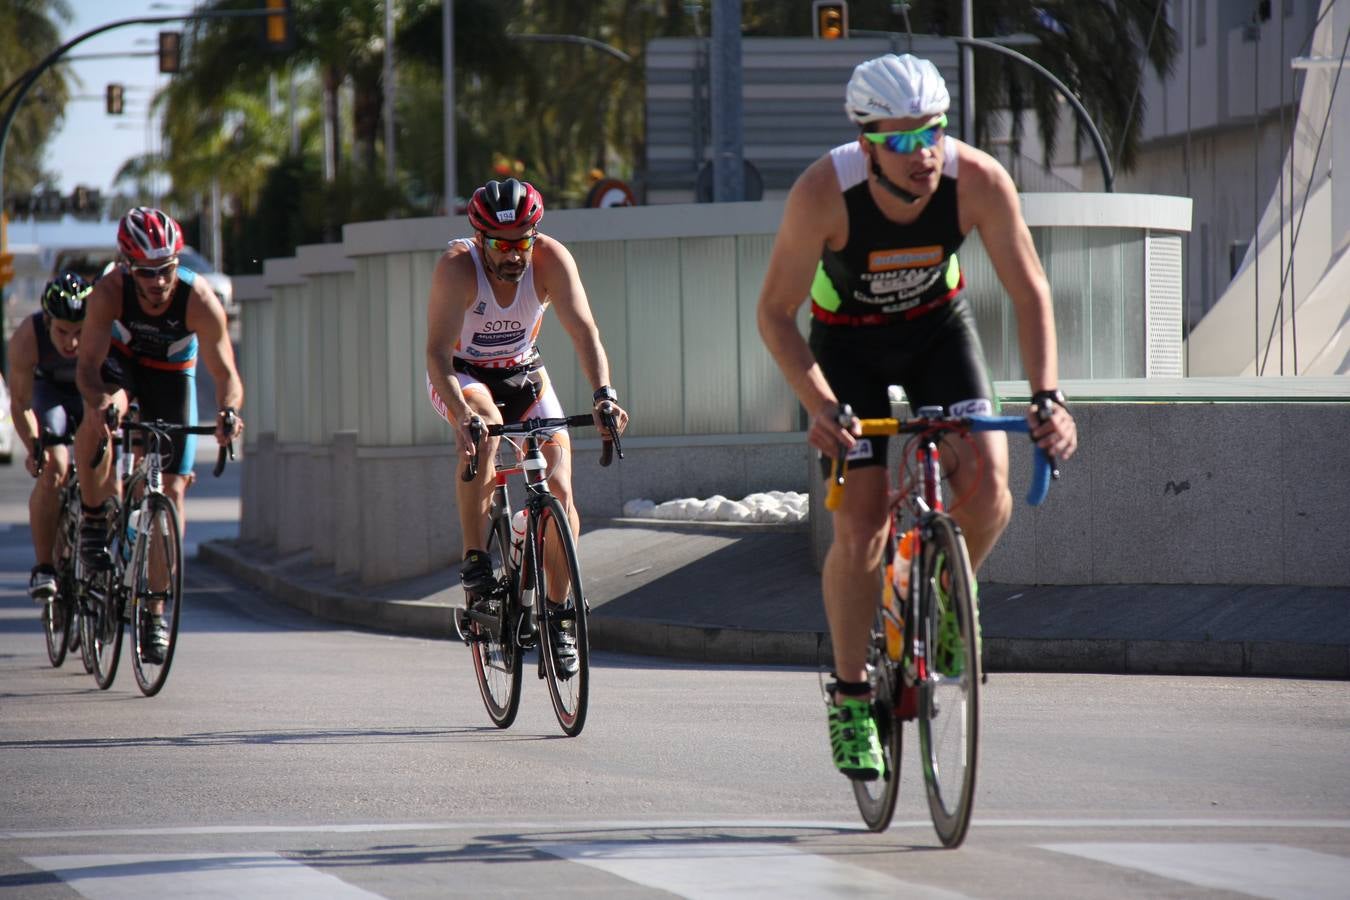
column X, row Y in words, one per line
column 113, row 99
column 170, row 52
column 829, row 21
column 277, row 30
column 6, row 258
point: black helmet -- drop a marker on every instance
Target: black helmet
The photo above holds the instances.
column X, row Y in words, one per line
column 64, row 297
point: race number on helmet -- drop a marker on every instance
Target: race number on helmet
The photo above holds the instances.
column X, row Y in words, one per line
column 505, row 205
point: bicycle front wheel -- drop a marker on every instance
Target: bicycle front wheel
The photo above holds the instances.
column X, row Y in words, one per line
column 949, row 688
column 876, row 799
column 104, row 630
column 155, row 589
column 496, row 658
column 560, row 605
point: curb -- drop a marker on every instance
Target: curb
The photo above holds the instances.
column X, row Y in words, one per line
column 746, row 646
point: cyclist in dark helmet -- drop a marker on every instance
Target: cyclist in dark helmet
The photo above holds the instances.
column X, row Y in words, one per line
column 43, row 397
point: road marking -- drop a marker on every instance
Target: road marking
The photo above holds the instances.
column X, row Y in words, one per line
column 1262, row 870
column 710, row 871
column 136, row 876
column 609, row 825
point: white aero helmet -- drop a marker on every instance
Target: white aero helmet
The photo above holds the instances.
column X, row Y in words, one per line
column 895, row 87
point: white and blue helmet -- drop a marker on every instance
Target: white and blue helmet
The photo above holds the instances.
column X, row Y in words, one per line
column 895, row 87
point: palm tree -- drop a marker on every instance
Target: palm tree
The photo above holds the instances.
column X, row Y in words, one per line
column 28, row 32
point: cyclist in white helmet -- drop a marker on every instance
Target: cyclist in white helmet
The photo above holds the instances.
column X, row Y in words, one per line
column 870, row 233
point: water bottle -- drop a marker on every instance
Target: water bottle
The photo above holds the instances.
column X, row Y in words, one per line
column 895, row 618
column 517, row 537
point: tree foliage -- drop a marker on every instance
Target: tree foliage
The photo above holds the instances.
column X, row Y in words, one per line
column 29, row 31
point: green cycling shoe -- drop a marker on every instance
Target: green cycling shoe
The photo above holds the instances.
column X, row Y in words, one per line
column 949, row 656
column 853, row 739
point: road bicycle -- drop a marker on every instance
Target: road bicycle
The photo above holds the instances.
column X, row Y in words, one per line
column 60, row 614
column 145, row 579
column 537, row 586
column 923, row 658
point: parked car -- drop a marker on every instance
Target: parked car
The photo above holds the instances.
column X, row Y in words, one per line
column 92, row 262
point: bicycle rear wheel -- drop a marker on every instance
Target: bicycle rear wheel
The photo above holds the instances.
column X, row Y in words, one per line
column 496, row 660
column 59, row 613
column 560, row 603
column 876, row 799
column 155, row 581
column 56, row 625
column 949, row 688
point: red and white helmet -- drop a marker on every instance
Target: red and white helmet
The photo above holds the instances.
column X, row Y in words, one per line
column 148, row 235
column 505, row 205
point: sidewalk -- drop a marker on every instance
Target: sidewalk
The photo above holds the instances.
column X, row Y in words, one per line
column 747, row 594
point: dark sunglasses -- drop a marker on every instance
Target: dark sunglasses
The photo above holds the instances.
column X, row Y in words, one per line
column 501, row 245
column 149, row 272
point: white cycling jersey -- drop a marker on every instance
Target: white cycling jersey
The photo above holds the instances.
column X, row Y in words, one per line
column 499, row 337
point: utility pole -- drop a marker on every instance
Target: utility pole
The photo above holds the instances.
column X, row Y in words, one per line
column 390, row 91
column 727, row 133
column 448, row 74
column 968, row 73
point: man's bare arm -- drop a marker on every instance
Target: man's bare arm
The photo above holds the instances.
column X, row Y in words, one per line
column 997, row 214
column 808, row 217
column 562, row 283
column 206, row 317
column 22, row 358
column 102, row 309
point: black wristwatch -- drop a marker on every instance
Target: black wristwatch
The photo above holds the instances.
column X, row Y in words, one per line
column 605, row 392
column 1054, row 395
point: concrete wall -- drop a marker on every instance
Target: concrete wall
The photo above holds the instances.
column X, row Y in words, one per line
column 1181, row 493
column 349, row 463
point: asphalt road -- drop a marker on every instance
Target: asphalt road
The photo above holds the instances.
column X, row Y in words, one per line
column 287, row 757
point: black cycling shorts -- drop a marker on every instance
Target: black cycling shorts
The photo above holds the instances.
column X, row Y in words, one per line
column 167, row 395
column 937, row 359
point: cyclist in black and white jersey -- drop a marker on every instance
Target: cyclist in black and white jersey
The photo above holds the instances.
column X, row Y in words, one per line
column 870, row 233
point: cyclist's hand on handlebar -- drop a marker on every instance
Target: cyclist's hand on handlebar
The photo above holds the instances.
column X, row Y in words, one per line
column 1052, row 426
column 229, row 426
column 617, row 414
column 472, row 429
column 831, row 433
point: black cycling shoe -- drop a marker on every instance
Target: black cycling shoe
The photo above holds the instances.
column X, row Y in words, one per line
column 94, row 544
column 562, row 634
column 154, row 640
column 476, row 572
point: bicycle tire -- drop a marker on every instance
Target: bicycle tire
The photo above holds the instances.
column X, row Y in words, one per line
column 62, row 606
column 497, row 661
column 949, row 688
column 552, row 545
column 56, row 628
column 876, row 799
column 159, row 522
column 107, row 612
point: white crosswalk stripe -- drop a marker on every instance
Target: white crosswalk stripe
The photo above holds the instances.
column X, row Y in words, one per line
column 189, row 875
column 711, row 871
column 1261, row 870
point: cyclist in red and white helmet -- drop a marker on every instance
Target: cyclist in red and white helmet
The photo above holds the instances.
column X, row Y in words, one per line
column 870, row 233
column 487, row 303
column 149, row 318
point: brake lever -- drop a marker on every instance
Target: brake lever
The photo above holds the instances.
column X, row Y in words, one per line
column 609, row 445
column 1044, row 410
column 476, row 430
